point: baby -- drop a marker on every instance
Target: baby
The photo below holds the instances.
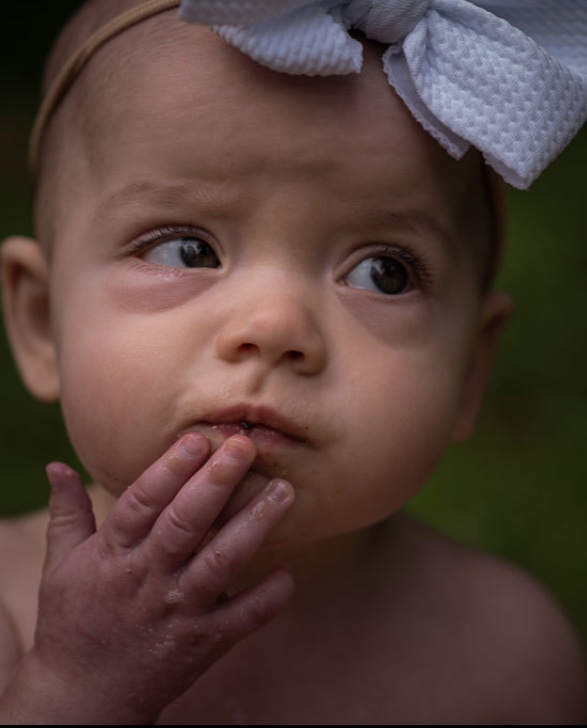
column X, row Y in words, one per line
column 264, row 302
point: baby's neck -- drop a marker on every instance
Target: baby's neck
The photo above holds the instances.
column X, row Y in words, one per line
column 315, row 564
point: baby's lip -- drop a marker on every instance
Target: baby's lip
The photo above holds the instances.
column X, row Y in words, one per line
column 263, row 425
column 277, row 438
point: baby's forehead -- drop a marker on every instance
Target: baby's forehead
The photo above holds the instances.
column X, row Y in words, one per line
column 197, row 85
column 178, row 69
column 161, row 48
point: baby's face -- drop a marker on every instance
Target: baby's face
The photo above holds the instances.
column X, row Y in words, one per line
column 246, row 247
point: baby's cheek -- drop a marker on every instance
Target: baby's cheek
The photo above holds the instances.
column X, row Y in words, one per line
column 109, row 412
column 405, row 433
column 386, row 453
column 102, row 438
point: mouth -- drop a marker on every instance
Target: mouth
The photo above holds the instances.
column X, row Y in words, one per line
column 266, row 427
column 278, row 441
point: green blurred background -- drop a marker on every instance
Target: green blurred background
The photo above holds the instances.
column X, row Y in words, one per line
column 518, row 489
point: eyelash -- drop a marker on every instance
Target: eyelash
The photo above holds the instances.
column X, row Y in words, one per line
column 420, row 271
column 162, row 235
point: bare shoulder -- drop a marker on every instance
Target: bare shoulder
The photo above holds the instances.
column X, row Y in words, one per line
column 22, row 547
column 22, row 543
column 521, row 649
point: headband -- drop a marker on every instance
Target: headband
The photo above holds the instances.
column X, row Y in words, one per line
column 71, row 70
column 508, row 77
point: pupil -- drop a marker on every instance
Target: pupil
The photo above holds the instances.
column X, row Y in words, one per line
column 389, row 276
column 197, row 254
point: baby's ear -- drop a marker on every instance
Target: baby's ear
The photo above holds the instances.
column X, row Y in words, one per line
column 25, row 297
column 496, row 310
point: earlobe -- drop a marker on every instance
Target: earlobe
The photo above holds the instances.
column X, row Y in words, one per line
column 496, row 311
column 25, row 298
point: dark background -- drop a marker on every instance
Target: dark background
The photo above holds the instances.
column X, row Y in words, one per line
column 518, row 489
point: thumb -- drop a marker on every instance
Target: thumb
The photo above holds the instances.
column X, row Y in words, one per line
column 71, row 519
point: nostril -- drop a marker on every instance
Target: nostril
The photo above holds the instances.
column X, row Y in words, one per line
column 273, row 341
column 291, row 354
column 295, row 355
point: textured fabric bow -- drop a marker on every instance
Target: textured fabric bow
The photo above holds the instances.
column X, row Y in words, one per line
column 508, row 77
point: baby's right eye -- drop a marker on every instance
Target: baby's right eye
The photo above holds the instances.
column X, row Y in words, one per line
column 182, row 252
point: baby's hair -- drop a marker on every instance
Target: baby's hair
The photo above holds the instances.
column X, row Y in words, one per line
column 493, row 225
column 59, row 85
column 62, row 115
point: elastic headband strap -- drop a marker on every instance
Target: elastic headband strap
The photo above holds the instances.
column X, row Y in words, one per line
column 75, row 64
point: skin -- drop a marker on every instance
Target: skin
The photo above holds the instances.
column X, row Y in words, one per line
column 273, row 407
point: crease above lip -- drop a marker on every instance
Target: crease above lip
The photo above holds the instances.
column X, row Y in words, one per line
column 247, row 417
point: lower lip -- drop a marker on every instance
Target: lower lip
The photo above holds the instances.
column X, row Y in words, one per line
column 265, row 438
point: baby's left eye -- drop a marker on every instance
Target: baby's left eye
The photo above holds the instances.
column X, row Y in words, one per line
column 183, row 252
column 381, row 274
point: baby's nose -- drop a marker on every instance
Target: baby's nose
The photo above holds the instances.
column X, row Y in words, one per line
column 277, row 328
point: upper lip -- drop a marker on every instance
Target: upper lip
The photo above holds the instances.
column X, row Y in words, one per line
column 256, row 416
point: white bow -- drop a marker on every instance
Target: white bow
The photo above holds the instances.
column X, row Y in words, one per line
column 508, row 77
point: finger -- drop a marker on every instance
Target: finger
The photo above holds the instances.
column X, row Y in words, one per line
column 139, row 507
column 71, row 519
column 215, row 568
column 187, row 521
column 249, row 610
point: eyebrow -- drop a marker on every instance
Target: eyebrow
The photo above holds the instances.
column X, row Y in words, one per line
column 164, row 195
column 167, row 195
column 137, row 191
column 416, row 221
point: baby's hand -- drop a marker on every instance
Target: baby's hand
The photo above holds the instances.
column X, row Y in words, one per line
column 132, row 613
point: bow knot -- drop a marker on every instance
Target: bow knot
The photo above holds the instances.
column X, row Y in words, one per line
column 386, row 21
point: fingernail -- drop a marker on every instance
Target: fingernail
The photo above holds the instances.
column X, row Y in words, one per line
column 237, row 448
column 279, row 491
column 192, row 445
column 59, row 473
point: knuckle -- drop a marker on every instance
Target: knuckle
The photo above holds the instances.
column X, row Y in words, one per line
column 218, row 566
column 215, row 560
column 179, row 522
column 138, row 501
